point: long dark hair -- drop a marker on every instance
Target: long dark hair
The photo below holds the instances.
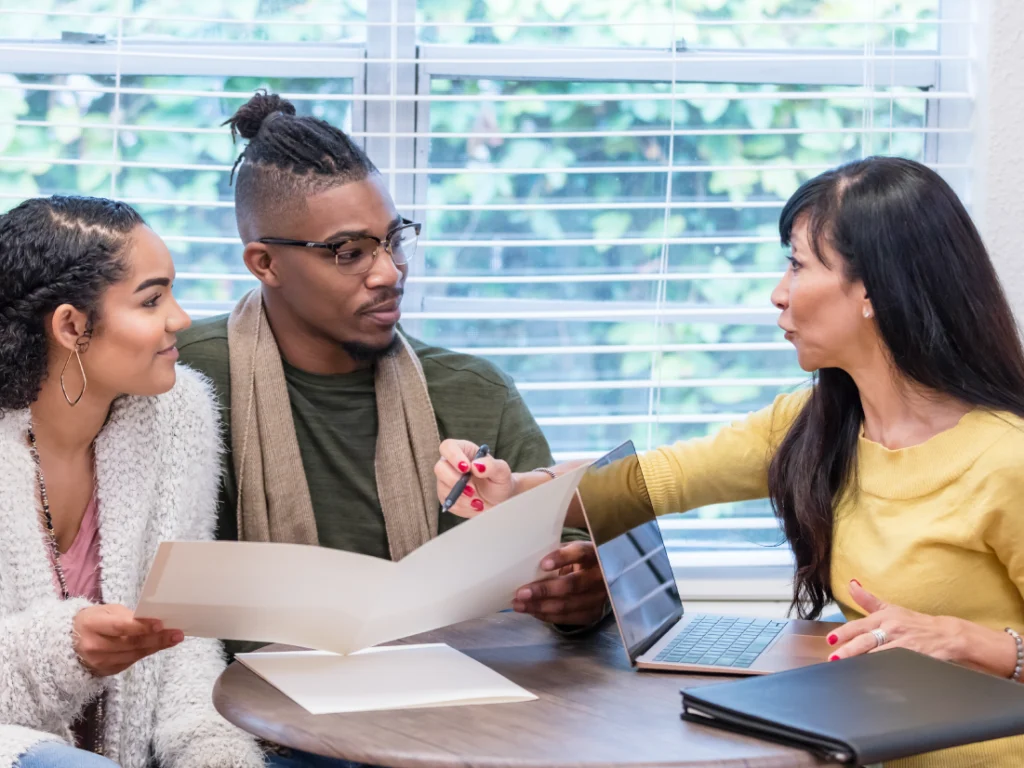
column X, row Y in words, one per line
column 940, row 310
column 53, row 250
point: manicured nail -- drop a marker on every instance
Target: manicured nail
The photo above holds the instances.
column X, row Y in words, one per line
column 477, row 505
column 833, row 639
column 548, row 565
column 854, row 581
column 480, row 467
column 833, row 657
column 523, row 594
column 468, row 490
column 463, row 466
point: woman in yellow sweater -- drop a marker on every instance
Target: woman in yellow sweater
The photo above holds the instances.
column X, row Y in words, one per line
column 899, row 476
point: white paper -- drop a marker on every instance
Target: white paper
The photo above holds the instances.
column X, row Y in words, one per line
column 341, row 601
column 390, row 677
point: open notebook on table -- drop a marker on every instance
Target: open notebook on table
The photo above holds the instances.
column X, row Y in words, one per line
column 388, row 677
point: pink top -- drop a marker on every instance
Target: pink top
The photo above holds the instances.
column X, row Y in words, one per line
column 81, row 563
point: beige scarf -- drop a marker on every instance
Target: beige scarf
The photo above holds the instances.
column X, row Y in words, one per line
column 273, row 497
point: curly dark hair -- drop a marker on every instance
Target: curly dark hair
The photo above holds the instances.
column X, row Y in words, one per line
column 53, row 251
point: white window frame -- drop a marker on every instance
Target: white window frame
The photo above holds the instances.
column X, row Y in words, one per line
column 102, row 56
column 383, row 65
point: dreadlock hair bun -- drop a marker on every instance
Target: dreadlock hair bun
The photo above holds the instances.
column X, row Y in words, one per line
column 287, row 158
column 247, row 120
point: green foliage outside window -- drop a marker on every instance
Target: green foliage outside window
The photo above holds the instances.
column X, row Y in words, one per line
column 739, row 159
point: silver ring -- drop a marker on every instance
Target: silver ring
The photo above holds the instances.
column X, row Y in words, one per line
column 881, row 638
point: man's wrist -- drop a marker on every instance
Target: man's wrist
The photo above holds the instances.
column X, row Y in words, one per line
column 572, row 630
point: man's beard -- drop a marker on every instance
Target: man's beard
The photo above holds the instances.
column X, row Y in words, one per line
column 368, row 353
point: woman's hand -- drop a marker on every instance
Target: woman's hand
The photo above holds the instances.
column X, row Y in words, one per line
column 576, row 596
column 942, row 637
column 492, row 482
column 108, row 638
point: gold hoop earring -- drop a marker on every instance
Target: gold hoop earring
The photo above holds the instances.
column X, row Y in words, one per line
column 85, row 381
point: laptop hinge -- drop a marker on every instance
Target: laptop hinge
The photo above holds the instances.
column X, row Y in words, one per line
column 652, row 639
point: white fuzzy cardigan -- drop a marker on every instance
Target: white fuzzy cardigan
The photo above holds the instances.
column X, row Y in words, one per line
column 157, row 474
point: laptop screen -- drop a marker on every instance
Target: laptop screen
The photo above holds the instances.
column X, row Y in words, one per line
column 630, row 548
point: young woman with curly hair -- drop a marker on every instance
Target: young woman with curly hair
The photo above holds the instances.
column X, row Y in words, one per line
column 106, row 448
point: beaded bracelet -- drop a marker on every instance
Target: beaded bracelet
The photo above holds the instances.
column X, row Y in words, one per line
column 1020, row 654
column 550, row 473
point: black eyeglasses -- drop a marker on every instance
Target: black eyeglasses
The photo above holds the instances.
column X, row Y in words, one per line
column 356, row 256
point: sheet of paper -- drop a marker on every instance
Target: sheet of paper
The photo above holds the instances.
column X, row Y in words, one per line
column 390, row 677
column 342, row 602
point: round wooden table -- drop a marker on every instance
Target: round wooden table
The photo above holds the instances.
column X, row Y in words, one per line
column 593, row 711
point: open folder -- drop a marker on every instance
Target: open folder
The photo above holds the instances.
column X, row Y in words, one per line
column 342, row 602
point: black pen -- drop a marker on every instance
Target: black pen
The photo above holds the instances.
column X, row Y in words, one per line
column 460, row 486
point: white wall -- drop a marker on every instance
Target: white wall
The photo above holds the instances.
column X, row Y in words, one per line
column 999, row 155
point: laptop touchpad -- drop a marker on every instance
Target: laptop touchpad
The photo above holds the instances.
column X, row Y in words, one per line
column 792, row 651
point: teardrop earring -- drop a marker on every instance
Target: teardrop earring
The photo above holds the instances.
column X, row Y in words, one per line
column 85, row 382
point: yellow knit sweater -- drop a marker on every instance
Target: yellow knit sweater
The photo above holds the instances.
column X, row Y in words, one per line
column 937, row 528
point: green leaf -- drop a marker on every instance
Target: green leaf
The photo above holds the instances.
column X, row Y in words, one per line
column 761, row 113
column 783, row 182
column 610, row 225
column 545, row 224
column 646, row 110
column 737, row 184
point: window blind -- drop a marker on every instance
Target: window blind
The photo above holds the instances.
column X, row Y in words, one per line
column 599, row 181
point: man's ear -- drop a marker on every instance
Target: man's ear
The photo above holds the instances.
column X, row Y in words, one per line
column 262, row 264
column 69, row 326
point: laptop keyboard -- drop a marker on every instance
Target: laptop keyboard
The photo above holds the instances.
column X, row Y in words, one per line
column 721, row 641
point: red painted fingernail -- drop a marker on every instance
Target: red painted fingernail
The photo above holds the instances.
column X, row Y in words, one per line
column 468, row 490
column 833, row 657
column 477, row 505
column 463, row 466
column 854, row 581
column 833, row 639
column 480, row 467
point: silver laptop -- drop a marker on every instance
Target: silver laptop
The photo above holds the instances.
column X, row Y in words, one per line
column 656, row 631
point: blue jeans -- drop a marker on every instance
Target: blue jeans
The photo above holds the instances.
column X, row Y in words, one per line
column 298, row 759
column 53, row 754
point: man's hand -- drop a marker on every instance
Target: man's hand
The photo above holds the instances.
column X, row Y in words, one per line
column 109, row 639
column 576, row 596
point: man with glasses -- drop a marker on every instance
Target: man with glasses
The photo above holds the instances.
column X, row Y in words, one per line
column 333, row 416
